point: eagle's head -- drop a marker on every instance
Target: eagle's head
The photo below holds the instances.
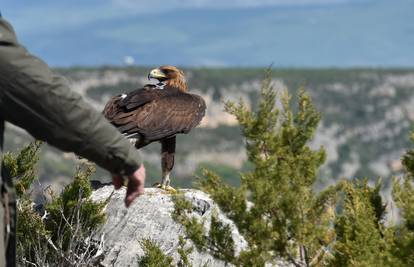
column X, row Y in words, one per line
column 171, row 76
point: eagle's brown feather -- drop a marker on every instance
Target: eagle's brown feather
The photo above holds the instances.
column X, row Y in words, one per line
column 155, row 113
column 151, row 114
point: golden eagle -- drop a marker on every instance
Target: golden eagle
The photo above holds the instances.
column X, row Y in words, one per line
column 157, row 113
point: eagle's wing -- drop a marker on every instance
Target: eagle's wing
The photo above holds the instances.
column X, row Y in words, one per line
column 163, row 117
column 140, row 97
column 121, row 106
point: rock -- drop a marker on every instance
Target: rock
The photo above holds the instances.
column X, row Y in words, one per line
column 149, row 217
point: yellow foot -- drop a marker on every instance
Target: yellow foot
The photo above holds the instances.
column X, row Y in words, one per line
column 167, row 188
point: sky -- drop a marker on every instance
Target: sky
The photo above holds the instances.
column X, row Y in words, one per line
column 238, row 33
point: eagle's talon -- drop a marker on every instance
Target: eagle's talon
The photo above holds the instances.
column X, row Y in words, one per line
column 157, row 185
column 167, row 188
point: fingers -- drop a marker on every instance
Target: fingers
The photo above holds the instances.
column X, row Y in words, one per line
column 117, row 181
column 136, row 184
column 141, row 170
column 134, row 190
column 135, row 187
column 131, row 197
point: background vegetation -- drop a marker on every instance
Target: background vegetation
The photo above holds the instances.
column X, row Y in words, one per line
column 365, row 112
column 280, row 214
column 272, row 199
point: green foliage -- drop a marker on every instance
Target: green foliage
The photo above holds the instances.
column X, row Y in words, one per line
column 231, row 200
column 403, row 194
column 281, row 220
column 21, row 166
column 31, row 233
column 153, row 256
column 184, row 253
column 217, row 240
column 74, row 208
column 60, row 235
column 220, row 241
column 280, row 215
column 229, row 174
column 361, row 238
column 276, row 209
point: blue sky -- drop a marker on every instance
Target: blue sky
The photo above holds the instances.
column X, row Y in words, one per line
column 287, row 33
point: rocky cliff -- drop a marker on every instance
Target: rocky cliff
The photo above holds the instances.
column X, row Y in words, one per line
column 149, row 217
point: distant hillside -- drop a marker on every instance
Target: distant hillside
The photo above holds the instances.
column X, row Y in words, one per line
column 366, row 118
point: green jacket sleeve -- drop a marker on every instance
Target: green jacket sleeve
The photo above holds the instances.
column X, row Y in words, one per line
column 36, row 99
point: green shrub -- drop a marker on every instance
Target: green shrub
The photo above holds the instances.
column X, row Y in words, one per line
column 61, row 231
column 22, row 166
column 154, row 257
column 278, row 212
column 361, row 236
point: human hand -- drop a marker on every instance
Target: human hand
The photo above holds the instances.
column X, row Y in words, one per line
column 136, row 183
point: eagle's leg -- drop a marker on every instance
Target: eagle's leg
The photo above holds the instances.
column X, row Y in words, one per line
column 165, row 181
column 167, row 162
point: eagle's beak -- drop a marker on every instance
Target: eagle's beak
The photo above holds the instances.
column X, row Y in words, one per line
column 156, row 74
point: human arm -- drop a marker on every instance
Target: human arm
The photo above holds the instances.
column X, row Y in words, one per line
column 38, row 100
